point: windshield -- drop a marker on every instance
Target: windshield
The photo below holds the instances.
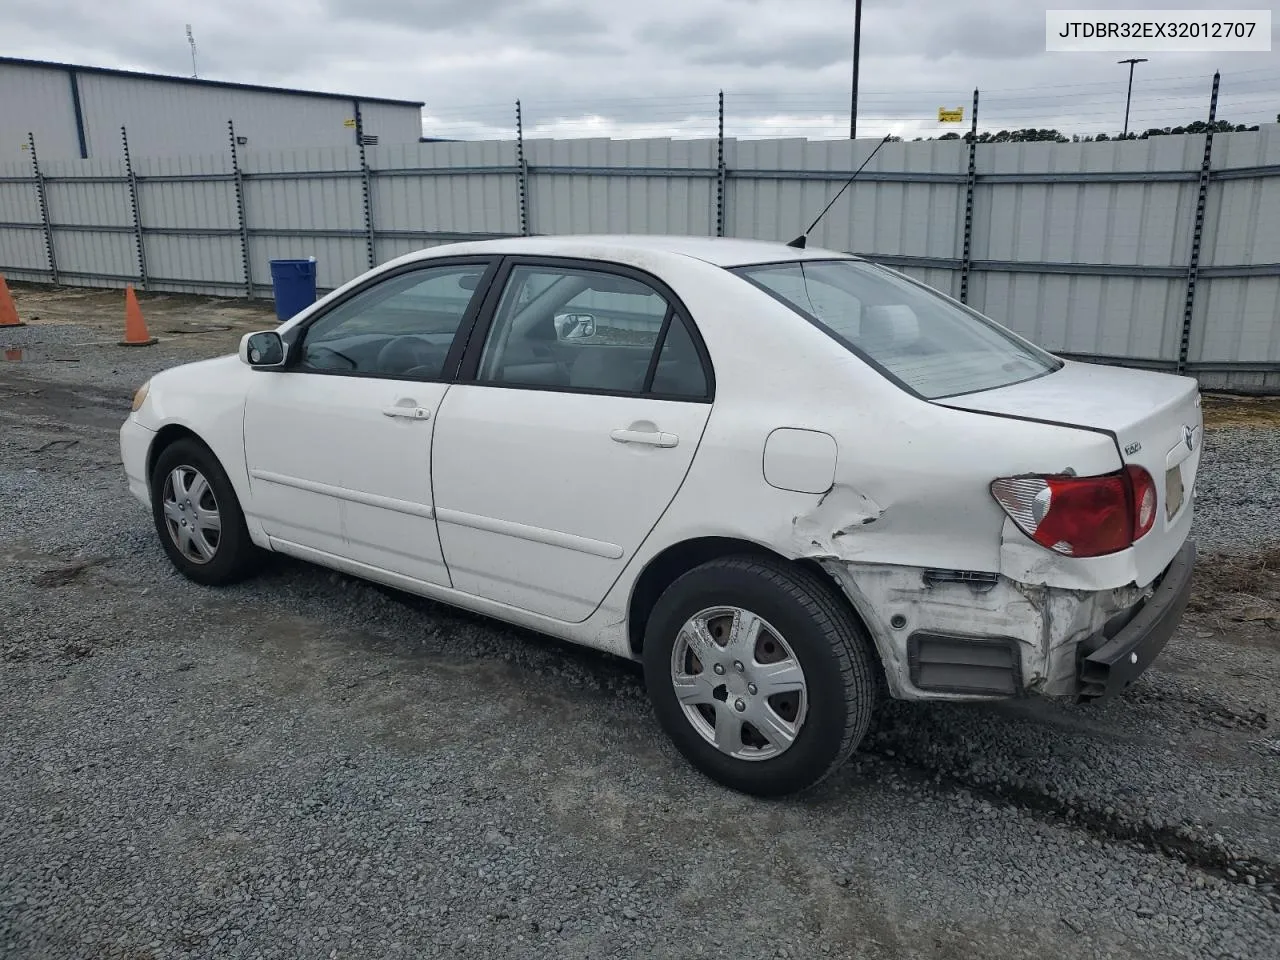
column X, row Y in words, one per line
column 928, row 344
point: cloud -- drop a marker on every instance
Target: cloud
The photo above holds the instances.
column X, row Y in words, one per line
column 421, row 16
column 805, row 51
column 702, row 29
column 609, row 67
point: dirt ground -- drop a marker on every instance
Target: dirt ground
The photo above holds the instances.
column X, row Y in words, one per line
column 205, row 324
column 305, row 765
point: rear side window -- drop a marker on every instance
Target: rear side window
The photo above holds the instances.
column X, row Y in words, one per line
column 586, row 330
column 917, row 337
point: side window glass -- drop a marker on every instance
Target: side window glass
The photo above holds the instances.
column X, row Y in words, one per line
column 679, row 372
column 573, row 328
column 402, row 327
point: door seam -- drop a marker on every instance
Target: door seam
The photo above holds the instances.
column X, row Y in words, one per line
column 431, row 475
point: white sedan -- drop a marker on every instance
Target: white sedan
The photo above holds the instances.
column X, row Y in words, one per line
column 789, row 481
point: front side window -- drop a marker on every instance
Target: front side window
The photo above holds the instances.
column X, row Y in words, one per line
column 400, row 327
column 589, row 330
column 926, row 343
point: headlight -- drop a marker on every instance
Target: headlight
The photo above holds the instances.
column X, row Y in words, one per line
column 140, row 397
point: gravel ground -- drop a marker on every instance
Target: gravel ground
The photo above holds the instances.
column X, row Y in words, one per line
column 306, row 765
column 1237, row 499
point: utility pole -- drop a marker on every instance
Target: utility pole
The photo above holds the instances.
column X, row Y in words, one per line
column 1132, row 62
column 857, row 45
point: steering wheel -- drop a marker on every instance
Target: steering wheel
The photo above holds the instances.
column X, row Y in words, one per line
column 326, row 358
column 407, row 354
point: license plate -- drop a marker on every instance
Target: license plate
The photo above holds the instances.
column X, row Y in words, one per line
column 1173, row 492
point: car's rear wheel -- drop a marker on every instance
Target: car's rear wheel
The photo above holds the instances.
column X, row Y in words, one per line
column 758, row 672
column 198, row 516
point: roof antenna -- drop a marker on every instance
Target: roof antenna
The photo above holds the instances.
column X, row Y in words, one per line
column 800, row 241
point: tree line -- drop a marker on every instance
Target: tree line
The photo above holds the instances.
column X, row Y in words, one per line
column 1031, row 134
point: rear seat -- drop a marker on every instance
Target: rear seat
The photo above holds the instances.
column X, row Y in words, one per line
column 609, row 368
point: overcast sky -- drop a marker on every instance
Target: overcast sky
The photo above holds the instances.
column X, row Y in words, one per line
column 653, row 67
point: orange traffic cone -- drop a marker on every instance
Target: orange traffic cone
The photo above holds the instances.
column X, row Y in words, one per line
column 135, row 327
column 8, row 312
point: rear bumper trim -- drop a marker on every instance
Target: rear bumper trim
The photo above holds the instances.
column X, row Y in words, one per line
column 1108, row 665
column 950, row 663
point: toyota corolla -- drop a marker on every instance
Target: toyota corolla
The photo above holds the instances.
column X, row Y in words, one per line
column 789, row 481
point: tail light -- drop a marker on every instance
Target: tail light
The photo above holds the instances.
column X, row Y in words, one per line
column 1081, row 516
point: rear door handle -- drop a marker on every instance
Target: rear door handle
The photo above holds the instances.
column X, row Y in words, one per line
column 408, row 413
column 639, row 436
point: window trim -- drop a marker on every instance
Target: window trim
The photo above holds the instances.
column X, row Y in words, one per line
column 646, row 386
column 468, row 370
column 739, row 272
column 295, row 336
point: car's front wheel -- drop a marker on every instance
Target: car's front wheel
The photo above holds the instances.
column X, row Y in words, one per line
column 761, row 676
column 198, row 516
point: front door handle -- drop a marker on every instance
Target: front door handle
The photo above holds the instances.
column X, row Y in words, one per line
column 654, row 439
column 408, row 413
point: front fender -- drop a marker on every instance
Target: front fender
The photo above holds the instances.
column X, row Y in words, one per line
column 209, row 404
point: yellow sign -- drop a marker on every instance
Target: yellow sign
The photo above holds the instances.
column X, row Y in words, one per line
column 348, row 123
column 951, row 116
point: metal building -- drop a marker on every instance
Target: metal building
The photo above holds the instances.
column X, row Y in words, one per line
column 77, row 111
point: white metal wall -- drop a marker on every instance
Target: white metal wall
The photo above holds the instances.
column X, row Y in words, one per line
column 778, row 187
column 93, row 233
column 429, row 193
column 1239, row 317
column 643, row 186
column 172, row 119
column 38, row 101
column 23, row 255
column 390, row 123
column 1093, row 224
column 1083, row 247
column 193, row 234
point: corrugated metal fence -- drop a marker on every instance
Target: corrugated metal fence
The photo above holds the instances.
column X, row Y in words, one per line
column 1162, row 252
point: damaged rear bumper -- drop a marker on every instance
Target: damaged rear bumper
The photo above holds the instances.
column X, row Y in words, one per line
column 1113, row 658
column 955, row 635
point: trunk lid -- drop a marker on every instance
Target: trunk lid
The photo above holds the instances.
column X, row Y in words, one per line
column 1155, row 419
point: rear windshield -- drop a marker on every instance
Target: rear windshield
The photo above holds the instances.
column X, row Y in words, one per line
column 927, row 343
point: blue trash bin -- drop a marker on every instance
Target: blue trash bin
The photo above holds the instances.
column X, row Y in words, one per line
column 294, row 285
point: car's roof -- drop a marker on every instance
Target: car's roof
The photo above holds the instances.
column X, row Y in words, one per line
column 721, row 251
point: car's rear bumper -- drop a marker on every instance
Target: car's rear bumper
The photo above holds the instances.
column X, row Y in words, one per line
column 135, row 442
column 956, row 635
column 1113, row 658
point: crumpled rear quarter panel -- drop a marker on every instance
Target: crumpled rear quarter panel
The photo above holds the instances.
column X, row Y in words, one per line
column 1047, row 622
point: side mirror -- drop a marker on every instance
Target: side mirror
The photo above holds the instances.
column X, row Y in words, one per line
column 575, row 326
column 264, row 349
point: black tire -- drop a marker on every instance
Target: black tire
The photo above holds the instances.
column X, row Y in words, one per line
column 830, row 644
column 235, row 555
